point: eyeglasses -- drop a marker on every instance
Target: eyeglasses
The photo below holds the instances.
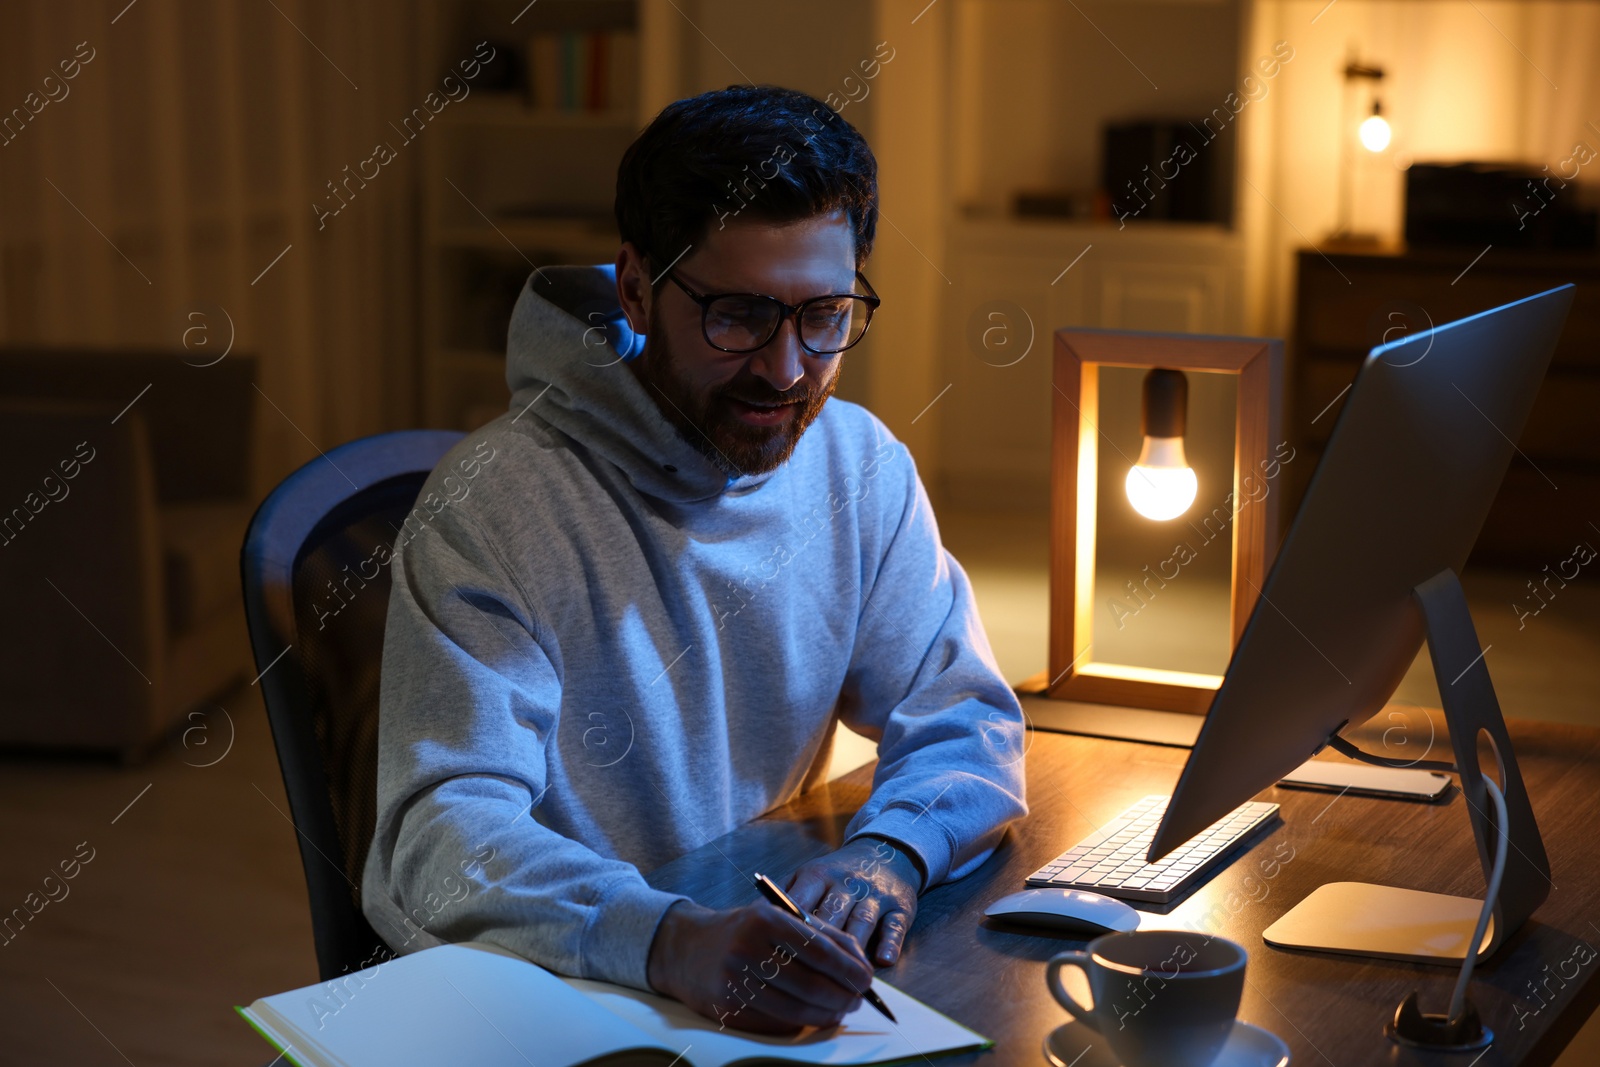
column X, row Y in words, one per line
column 745, row 322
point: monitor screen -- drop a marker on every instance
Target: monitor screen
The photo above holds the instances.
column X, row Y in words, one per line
column 1411, row 468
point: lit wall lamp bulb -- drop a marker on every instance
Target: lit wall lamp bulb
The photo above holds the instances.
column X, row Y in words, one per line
column 1162, row 485
column 1374, row 130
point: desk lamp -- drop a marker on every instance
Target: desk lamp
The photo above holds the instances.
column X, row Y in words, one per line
column 1161, row 486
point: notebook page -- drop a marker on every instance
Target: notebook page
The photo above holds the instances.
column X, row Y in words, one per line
column 464, row 1003
column 864, row 1036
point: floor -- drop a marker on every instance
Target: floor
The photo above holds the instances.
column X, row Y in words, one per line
column 191, row 899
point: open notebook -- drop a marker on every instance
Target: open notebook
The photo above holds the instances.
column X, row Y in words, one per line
column 480, row 1004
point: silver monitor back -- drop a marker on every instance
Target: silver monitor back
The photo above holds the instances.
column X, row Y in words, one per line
column 1411, row 468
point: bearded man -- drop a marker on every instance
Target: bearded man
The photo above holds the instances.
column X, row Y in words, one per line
column 684, row 566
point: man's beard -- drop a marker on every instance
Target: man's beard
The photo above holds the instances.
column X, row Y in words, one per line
column 711, row 424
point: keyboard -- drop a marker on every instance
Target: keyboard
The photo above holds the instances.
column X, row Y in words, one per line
column 1111, row 861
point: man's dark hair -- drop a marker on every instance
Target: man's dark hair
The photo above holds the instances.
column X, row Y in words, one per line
column 747, row 151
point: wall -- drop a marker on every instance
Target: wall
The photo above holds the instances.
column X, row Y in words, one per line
column 179, row 163
column 1492, row 80
column 1040, row 79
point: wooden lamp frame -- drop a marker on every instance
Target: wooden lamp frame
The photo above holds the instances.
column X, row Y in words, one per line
column 1075, row 457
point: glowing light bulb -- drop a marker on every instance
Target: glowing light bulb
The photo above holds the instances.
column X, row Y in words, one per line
column 1374, row 132
column 1161, row 485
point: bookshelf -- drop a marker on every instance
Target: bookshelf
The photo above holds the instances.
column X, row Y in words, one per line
column 566, row 82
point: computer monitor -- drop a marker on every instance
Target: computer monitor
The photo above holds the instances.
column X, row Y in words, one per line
column 1413, row 463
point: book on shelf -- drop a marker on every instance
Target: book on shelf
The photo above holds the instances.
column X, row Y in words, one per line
column 573, row 71
column 544, row 71
column 594, row 88
column 478, row 1003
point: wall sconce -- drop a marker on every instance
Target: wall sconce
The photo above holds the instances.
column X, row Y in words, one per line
column 1074, row 673
column 1374, row 135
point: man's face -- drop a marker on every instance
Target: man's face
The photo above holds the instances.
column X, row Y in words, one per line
column 746, row 411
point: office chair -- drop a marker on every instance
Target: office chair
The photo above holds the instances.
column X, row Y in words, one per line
column 316, row 593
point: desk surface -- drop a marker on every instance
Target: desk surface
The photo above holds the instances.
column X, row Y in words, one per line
column 1330, row 1010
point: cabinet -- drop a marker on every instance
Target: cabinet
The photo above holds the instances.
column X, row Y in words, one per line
column 1014, row 283
column 1349, row 301
column 1032, row 87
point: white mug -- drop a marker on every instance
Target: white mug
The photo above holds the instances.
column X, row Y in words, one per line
column 1162, row 998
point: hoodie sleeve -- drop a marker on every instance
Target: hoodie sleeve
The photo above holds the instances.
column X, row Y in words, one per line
column 924, row 684
column 469, row 700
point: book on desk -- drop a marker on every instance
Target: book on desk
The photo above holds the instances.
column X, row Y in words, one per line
column 481, row 1004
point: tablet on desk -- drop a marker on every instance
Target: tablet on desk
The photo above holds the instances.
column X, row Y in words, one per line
column 1394, row 782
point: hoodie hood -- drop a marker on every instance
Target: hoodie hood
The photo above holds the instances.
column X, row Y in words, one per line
column 566, row 365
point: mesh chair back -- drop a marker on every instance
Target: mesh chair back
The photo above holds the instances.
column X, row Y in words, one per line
column 316, row 585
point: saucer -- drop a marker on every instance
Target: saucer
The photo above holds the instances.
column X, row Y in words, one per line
column 1075, row 1045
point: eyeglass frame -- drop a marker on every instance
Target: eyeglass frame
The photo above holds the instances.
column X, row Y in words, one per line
column 786, row 311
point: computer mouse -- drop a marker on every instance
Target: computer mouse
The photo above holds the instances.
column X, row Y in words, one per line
column 1066, row 910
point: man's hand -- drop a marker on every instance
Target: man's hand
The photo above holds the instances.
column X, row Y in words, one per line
column 867, row 887
column 756, row 967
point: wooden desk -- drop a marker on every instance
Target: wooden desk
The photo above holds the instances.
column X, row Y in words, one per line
column 1329, row 1009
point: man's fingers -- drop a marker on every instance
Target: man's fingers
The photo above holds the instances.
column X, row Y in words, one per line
column 891, row 937
column 831, row 963
column 835, row 907
column 773, row 1009
column 845, row 940
column 806, row 890
column 819, row 983
column 863, row 919
column 754, row 1022
column 816, row 989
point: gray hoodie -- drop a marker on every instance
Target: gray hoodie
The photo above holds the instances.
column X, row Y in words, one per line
column 602, row 653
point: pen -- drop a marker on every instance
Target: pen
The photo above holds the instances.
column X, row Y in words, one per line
column 774, row 895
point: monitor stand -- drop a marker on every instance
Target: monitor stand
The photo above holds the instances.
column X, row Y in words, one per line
column 1406, row 924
